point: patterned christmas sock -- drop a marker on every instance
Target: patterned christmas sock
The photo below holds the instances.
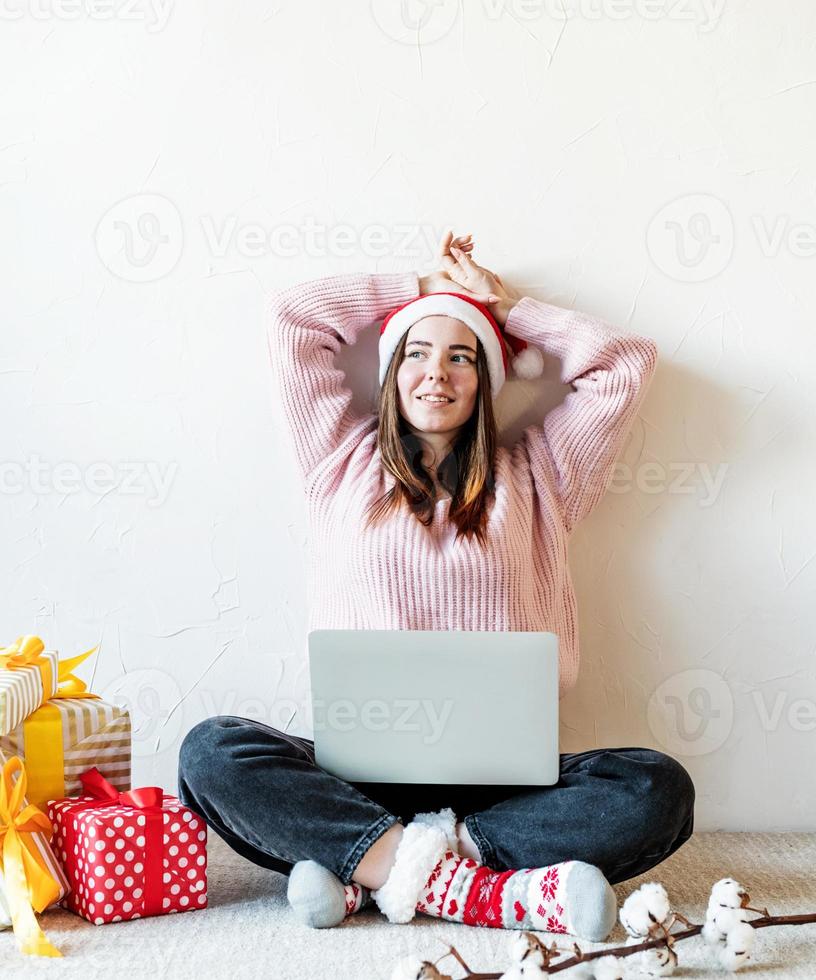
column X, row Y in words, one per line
column 570, row 897
column 319, row 898
column 356, row 897
column 429, row 876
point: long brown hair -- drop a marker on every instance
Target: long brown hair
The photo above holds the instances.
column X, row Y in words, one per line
column 466, row 472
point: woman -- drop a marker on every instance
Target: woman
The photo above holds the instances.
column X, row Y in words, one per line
column 420, row 521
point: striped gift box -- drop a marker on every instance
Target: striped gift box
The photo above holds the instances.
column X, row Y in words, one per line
column 41, row 852
column 64, row 738
column 23, row 689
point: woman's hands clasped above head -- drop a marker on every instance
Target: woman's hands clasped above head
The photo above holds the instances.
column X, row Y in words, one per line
column 441, row 281
column 461, row 274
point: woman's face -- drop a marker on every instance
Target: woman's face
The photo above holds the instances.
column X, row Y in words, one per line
column 439, row 356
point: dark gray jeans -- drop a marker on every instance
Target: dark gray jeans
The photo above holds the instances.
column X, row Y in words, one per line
column 623, row 809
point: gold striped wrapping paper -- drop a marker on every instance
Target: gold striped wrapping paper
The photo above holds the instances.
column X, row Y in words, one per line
column 45, row 858
column 21, row 691
column 64, row 738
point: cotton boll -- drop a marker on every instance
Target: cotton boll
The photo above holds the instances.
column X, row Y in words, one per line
column 726, row 918
column 607, row 968
column 658, row 962
column 604, row 968
column 415, row 968
column 733, row 959
column 712, row 934
column 719, row 921
column 524, row 948
column 524, row 971
column 634, row 916
column 667, row 962
column 658, row 900
column 742, row 936
column 739, row 946
column 644, row 908
column 727, row 892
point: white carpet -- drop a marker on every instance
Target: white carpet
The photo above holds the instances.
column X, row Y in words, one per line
column 247, row 931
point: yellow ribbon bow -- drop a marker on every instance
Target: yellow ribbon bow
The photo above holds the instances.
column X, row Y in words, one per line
column 68, row 685
column 24, row 651
column 27, row 651
column 28, row 885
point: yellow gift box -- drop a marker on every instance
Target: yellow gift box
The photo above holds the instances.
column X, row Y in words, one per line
column 31, row 877
column 64, row 738
column 29, row 675
column 67, row 732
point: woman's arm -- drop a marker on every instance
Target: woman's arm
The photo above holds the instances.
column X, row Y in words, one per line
column 575, row 450
column 307, row 323
column 577, row 447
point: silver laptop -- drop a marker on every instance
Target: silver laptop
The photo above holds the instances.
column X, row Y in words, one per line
column 431, row 706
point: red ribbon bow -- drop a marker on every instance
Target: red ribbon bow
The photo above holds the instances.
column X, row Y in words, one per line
column 95, row 784
column 149, row 799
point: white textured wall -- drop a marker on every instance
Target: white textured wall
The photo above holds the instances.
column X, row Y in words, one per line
column 162, row 168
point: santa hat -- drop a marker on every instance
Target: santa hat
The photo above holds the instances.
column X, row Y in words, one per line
column 527, row 361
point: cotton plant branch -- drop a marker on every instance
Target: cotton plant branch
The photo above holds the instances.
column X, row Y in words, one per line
column 648, row 919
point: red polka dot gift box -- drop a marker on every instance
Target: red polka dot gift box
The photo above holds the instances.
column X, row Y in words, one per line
column 129, row 855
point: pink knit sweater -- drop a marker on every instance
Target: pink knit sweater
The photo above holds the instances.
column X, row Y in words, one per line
column 402, row 575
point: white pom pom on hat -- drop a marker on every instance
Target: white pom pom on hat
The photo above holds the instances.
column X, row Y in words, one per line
column 527, row 361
